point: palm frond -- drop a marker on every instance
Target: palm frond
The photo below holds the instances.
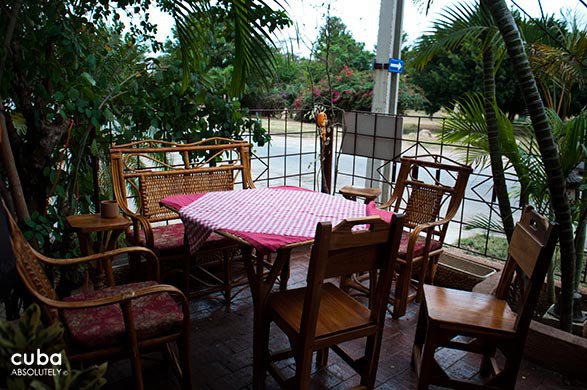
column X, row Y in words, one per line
column 482, row 221
column 573, row 142
column 192, row 26
column 453, row 26
column 253, row 40
column 466, row 123
column 253, row 50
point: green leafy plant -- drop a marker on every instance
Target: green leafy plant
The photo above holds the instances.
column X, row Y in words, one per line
column 26, row 336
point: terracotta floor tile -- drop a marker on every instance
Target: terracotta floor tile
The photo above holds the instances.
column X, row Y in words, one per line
column 221, row 352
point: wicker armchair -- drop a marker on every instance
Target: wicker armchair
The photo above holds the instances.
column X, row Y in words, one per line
column 429, row 194
column 115, row 322
column 144, row 172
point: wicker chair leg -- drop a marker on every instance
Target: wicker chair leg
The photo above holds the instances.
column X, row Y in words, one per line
column 184, row 355
column 432, row 267
column 402, row 290
column 133, row 345
column 171, row 359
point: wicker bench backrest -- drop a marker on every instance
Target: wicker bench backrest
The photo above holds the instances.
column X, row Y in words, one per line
column 154, row 187
column 144, row 172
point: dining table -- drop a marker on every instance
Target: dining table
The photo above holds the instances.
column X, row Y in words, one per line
column 263, row 221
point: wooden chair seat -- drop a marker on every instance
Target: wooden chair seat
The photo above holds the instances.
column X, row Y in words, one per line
column 103, row 326
column 338, row 311
column 468, row 311
column 170, row 239
column 321, row 316
column 484, row 324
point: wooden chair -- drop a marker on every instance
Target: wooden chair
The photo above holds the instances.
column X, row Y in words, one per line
column 111, row 323
column 429, row 194
column 320, row 316
column 144, row 172
column 486, row 321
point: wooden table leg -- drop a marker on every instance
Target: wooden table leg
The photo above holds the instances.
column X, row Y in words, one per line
column 103, row 270
column 255, row 283
column 106, row 265
column 285, row 270
column 84, row 244
column 260, row 289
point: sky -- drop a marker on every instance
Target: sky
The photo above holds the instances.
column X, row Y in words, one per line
column 362, row 18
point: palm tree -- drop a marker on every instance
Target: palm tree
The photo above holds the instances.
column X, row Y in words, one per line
column 560, row 63
column 550, row 157
column 468, row 126
column 457, row 25
column 508, row 29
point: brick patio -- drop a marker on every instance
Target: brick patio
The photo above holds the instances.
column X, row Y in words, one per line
column 221, row 352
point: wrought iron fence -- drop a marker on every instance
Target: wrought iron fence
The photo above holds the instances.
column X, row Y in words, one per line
column 292, row 158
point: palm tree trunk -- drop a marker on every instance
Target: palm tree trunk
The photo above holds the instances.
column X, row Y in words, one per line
column 499, row 184
column 550, row 157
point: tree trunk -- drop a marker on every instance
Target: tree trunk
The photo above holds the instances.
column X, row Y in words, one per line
column 548, row 150
column 499, row 183
column 22, row 211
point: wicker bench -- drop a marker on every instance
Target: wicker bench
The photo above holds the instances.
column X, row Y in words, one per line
column 144, row 172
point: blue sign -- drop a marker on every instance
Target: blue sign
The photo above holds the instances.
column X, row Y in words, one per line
column 395, row 65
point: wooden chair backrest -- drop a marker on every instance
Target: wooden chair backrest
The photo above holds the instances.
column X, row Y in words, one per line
column 156, row 169
column 342, row 251
column 28, row 266
column 529, row 256
column 424, row 187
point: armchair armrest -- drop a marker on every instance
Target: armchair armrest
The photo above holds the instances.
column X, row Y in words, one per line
column 90, row 303
column 124, row 300
column 352, row 193
column 149, row 255
column 428, row 227
column 139, row 223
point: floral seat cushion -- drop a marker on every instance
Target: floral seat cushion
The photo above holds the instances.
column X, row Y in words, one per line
column 103, row 326
column 418, row 248
column 170, row 238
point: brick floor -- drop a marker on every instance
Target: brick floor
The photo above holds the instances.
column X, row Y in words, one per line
column 221, row 352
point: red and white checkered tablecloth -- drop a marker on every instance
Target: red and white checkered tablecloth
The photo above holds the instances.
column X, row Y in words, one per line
column 268, row 218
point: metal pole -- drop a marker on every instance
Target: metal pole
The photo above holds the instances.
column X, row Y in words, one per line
column 385, row 89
